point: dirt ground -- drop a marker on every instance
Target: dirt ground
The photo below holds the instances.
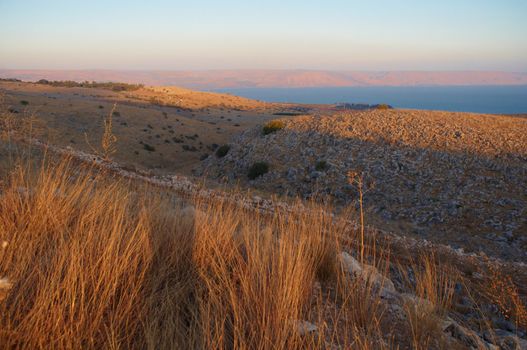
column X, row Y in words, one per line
column 162, row 129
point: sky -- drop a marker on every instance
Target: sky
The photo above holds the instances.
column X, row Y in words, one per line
column 271, row 34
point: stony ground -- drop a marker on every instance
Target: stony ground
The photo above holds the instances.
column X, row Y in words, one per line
column 455, row 178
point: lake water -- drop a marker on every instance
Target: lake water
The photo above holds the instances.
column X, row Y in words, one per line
column 479, row 99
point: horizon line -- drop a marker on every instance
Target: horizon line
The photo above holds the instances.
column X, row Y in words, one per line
column 269, row 69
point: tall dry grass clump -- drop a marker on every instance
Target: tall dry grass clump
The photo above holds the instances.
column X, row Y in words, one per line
column 257, row 275
column 77, row 257
column 503, row 292
column 432, row 285
column 92, row 262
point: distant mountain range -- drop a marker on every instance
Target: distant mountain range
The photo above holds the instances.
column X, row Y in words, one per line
column 217, row 79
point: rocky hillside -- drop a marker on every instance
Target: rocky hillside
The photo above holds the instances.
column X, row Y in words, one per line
column 456, row 178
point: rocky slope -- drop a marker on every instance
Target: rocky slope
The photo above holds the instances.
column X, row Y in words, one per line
column 455, row 178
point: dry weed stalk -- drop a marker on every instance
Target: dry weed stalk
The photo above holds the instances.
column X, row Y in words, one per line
column 108, row 140
column 357, row 179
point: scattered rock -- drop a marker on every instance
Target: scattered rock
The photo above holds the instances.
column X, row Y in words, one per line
column 466, row 336
column 368, row 273
column 417, row 301
column 505, row 340
column 304, row 328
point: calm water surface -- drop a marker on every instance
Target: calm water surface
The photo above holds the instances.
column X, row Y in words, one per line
column 479, row 99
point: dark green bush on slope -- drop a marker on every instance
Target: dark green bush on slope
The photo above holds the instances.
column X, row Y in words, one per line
column 257, row 169
column 222, row 151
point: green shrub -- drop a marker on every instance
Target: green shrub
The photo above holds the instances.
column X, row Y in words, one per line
column 24, row 103
column 273, row 126
column 189, row 148
column 222, row 151
column 257, row 169
column 149, row 148
column 321, row 165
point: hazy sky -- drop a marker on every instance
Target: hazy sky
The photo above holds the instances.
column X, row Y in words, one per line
column 283, row 34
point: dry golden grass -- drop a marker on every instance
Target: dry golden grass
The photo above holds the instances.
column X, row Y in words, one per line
column 95, row 263
column 78, row 258
column 434, row 281
column 89, row 261
column 185, row 98
column 433, row 289
column 503, row 292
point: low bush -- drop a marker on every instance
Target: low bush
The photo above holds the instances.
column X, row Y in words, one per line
column 321, row 165
column 273, row 126
column 383, row 106
column 148, row 147
column 222, row 151
column 289, row 114
column 189, row 148
column 258, row 169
